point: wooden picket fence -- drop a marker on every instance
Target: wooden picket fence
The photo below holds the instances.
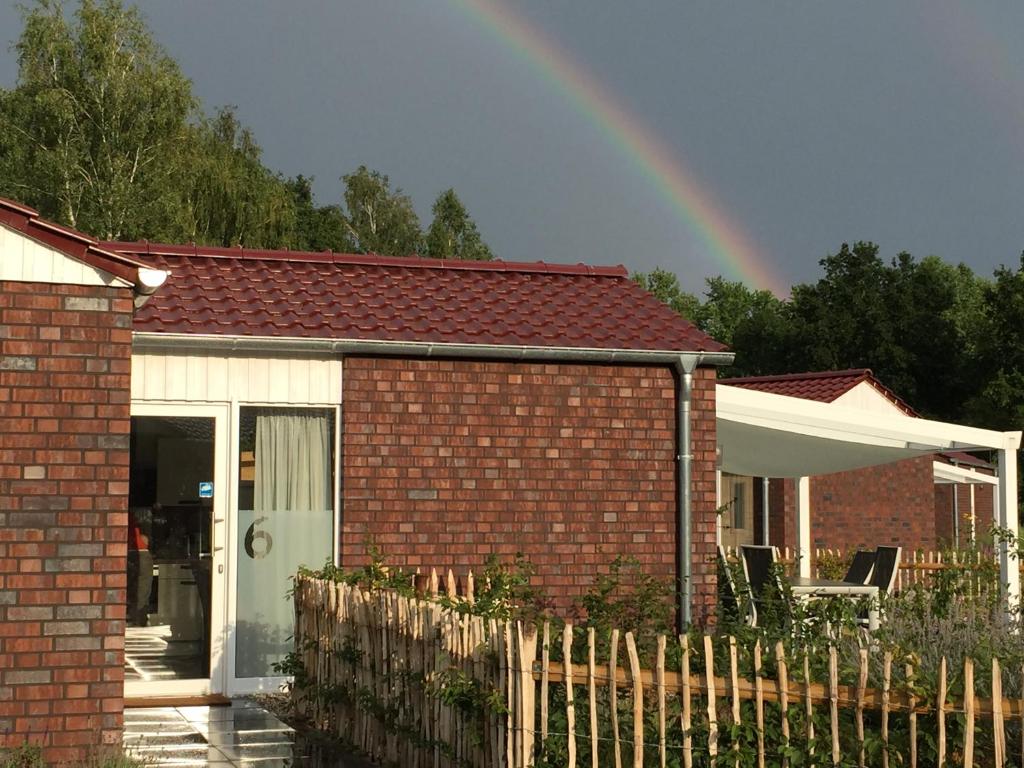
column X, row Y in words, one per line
column 415, row 682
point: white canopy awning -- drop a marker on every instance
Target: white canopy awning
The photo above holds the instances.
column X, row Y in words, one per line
column 767, row 435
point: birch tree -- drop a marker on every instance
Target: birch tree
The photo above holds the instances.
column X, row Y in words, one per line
column 92, row 134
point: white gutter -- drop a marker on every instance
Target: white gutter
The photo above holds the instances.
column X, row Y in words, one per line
column 684, row 362
column 145, row 340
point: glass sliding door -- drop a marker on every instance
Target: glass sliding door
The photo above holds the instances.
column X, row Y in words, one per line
column 285, row 520
column 175, row 552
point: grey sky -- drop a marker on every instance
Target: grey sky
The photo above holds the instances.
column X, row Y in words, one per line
column 811, row 123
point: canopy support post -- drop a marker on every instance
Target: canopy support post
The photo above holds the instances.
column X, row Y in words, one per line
column 803, row 525
column 1009, row 567
column 765, row 537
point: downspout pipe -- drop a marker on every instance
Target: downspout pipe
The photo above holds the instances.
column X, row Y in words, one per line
column 685, row 366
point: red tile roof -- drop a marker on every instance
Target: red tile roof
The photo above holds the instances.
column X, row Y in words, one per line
column 230, row 291
column 823, row 386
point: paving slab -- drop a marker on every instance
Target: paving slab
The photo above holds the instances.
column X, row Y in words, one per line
column 243, row 734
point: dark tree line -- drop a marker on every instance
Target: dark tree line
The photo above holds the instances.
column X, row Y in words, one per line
column 949, row 342
column 103, row 133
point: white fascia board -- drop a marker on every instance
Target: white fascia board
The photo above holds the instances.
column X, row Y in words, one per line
column 831, row 422
column 947, row 473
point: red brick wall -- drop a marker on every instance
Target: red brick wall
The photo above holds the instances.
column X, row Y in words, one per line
column 892, row 504
column 446, row 462
column 65, row 359
column 705, row 498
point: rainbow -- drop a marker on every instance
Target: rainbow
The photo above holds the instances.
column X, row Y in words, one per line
column 650, row 156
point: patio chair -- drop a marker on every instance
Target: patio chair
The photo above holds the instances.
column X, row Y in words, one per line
column 887, row 566
column 761, row 573
column 862, row 567
column 883, row 575
column 728, row 596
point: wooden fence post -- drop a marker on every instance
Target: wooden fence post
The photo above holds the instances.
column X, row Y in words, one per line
column 638, row 702
column 735, row 686
column 759, row 702
column 886, row 679
column 998, row 727
column 783, row 692
column 808, row 707
column 592, row 695
column 527, row 710
column 969, row 712
column 862, row 681
column 686, row 713
column 709, row 672
column 659, row 674
column 570, row 706
column 912, row 703
column 613, row 695
column 941, row 712
column 833, row 700
column 544, row 674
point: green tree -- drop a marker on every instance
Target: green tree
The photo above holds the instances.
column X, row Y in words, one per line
column 230, row 197
column 999, row 400
column 452, row 233
column 665, row 287
column 934, row 307
column 93, row 132
column 729, row 304
column 379, row 220
column 317, row 228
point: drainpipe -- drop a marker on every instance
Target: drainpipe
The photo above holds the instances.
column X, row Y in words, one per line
column 685, row 366
column 956, row 510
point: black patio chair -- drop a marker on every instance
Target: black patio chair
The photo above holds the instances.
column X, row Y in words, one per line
column 887, row 566
column 862, row 567
column 760, row 568
column 883, row 575
column 728, row 596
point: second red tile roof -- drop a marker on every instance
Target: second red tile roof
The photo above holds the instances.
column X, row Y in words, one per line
column 823, row 386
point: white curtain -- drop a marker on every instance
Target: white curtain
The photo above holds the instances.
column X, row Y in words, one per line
column 293, row 455
column 291, row 524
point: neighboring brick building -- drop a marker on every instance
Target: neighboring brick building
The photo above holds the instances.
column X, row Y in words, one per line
column 890, row 504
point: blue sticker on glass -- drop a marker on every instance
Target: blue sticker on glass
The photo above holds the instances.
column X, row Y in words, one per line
column 206, row 490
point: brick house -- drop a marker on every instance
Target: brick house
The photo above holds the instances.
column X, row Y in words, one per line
column 65, row 317
column 908, row 503
column 171, row 451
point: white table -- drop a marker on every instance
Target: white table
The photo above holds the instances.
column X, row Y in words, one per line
column 803, row 586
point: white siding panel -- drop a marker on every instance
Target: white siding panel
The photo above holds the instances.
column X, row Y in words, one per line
column 199, row 377
column 278, row 388
column 866, row 398
column 26, row 260
column 215, row 380
column 298, row 385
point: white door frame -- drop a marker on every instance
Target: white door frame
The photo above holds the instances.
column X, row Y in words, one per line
column 223, row 503
column 241, row 686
